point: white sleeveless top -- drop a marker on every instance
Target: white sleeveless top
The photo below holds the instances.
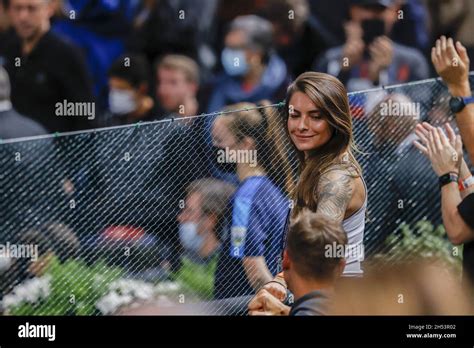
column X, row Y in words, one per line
column 354, row 227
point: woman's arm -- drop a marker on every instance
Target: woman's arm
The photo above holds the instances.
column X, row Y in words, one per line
column 456, row 77
column 335, row 189
column 423, row 130
column 334, row 193
column 257, row 271
column 445, row 156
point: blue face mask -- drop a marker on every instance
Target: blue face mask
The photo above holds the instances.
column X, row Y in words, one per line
column 234, row 61
column 189, row 237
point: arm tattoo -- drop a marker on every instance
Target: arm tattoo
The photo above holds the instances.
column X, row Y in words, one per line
column 334, row 193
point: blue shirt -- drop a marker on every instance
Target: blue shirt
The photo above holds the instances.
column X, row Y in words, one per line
column 255, row 228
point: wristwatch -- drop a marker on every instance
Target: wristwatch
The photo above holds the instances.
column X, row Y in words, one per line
column 448, row 178
column 457, row 104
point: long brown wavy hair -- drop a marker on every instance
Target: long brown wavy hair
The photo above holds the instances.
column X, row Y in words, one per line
column 330, row 96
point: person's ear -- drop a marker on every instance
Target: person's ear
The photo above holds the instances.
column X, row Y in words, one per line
column 286, row 262
column 50, row 9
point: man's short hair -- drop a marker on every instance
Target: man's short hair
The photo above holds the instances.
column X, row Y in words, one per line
column 309, row 236
column 181, row 63
column 215, row 197
column 133, row 68
column 258, row 30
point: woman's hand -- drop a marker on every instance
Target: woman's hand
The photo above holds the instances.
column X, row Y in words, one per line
column 452, row 64
column 423, row 132
column 445, row 155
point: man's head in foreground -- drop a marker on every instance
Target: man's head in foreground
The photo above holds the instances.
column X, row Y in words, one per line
column 313, row 259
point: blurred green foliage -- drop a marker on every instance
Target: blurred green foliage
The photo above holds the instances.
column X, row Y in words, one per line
column 74, row 289
column 423, row 241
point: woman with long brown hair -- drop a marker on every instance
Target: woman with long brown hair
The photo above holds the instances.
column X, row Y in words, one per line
column 319, row 125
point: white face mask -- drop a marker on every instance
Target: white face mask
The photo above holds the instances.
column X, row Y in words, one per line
column 122, row 102
column 234, row 61
column 190, row 239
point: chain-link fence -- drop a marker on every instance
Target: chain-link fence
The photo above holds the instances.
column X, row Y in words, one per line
column 93, row 222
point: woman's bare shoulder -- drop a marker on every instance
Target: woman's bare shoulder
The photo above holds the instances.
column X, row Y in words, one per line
column 341, row 191
column 343, row 168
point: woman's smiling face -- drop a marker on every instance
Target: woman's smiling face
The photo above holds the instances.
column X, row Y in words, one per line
column 308, row 128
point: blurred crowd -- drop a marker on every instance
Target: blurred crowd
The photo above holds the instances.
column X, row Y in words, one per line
column 145, row 60
column 70, row 65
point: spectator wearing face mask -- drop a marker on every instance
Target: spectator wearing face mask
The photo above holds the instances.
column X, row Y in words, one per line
column 173, row 146
column 252, row 70
column 200, row 228
column 128, row 87
column 369, row 57
column 100, row 29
